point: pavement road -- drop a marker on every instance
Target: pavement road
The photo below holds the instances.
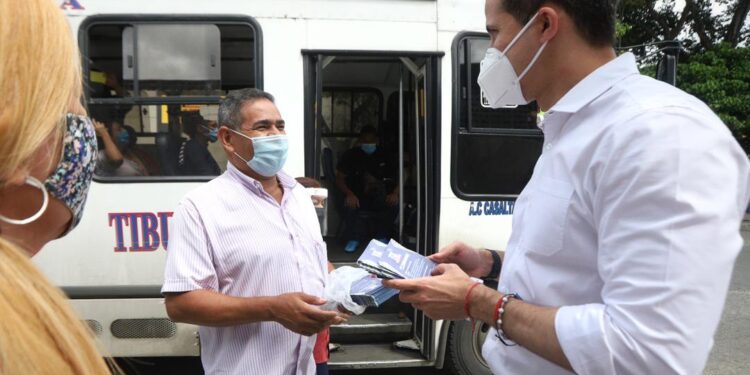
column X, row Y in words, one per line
column 731, row 352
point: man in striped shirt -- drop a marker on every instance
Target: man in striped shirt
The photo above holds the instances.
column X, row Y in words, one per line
column 246, row 260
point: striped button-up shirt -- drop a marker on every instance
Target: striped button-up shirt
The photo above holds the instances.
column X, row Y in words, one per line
column 231, row 237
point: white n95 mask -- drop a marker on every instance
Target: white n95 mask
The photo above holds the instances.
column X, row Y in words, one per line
column 501, row 86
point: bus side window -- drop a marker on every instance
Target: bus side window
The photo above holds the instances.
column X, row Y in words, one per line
column 155, row 83
column 493, row 150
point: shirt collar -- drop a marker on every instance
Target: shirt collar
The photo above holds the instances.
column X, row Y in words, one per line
column 285, row 180
column 596, row 84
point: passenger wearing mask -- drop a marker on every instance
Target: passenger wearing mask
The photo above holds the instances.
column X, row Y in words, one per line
column 368, row 179
column 194, row 158
column 47, row 158
column 246, row 260
column 120, row 156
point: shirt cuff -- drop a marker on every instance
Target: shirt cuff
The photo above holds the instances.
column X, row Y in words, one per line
column 180, row 285
column 580, row 331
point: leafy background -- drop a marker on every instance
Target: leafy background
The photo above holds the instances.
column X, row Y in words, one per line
column 714, row 63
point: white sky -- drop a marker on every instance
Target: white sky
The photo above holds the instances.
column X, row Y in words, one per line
column 717, row 8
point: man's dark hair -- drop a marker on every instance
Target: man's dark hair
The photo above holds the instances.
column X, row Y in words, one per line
column 594, row 19
column 230, row 108
column 368, row 130
column 190, row 123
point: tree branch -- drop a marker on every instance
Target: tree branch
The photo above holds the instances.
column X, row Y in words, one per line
column 698, row 25
column 675, row 32
column 741, row 9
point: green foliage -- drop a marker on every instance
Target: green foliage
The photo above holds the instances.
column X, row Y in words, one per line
column 715, row 65
column 622, row 29
column 721, row 78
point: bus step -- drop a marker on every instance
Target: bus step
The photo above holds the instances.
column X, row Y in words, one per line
column 362, row 356
column 372, row 328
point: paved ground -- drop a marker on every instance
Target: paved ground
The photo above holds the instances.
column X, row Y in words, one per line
column 731, row 353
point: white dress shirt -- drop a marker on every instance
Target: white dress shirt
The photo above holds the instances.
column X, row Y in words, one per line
column 232, row 237
column 630, row 223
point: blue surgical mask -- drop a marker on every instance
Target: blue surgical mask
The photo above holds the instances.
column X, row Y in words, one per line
column 269, row 154
column 123, row 138
column 213, row 134
column 369, row 148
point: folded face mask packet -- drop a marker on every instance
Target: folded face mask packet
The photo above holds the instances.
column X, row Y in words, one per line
column 354, row 289
column 370, row 292
column 394, row 261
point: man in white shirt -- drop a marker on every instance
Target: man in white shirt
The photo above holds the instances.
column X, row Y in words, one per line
column 246, row 260
column 625, row 237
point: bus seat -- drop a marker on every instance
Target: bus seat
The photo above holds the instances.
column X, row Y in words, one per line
column 168, row 148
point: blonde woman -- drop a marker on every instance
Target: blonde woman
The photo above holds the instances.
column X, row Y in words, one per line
column 46, row 162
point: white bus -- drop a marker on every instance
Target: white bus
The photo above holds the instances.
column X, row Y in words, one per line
column 406, row 67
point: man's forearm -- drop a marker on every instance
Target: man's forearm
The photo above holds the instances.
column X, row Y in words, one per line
column 209, row 308
column 530, row 326
column 341, row 183
column 114, row 156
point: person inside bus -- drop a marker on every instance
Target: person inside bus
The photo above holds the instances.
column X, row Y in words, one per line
column 367, row 177
column 121, row 156
column 104, row 84
column 47, row 157
column 246, row 260
column 194, row 158
column 625, row 237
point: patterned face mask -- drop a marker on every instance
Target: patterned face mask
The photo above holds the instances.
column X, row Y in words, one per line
column 71, row 179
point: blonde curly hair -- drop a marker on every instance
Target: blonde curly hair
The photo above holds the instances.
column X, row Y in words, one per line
column 40, row 80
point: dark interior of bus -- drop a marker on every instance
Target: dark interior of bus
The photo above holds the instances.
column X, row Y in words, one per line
column 394, row 94
column 359, row 92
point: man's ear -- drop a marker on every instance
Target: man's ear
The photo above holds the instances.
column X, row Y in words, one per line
column 550, row 18
column 224, row 136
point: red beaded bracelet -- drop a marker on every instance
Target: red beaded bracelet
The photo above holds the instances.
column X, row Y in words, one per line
column 498, row 306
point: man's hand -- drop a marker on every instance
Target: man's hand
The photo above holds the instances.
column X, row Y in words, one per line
column 392, row 198
column 111, row 81
column 352, row 201
column 99, row 128
column 440, row 296
column 475, row 262
column 301, row 313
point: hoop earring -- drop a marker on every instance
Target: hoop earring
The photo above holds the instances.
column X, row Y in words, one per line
column 39, row 185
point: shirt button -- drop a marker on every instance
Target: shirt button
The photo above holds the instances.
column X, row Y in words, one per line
column 548, row 146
